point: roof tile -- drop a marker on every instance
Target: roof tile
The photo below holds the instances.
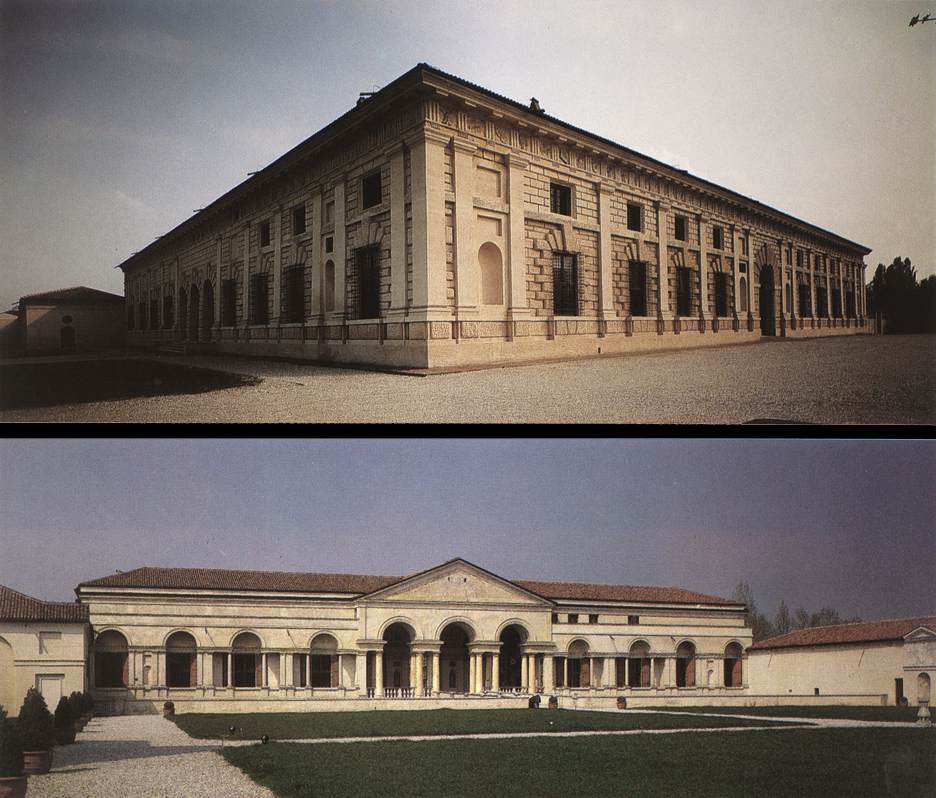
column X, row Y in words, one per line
column 863, row 632
column 16, row 606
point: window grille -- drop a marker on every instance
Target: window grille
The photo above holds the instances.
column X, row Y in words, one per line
column 295, row 295
column 565, row 284
column 637, row 282
column 683, row 291
column 367, row 261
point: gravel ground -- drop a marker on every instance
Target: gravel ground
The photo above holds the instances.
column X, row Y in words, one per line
column 141, row 756
column 847, row 380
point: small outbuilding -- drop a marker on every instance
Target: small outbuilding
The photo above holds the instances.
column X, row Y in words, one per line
column 886, row 662
column 70, row 320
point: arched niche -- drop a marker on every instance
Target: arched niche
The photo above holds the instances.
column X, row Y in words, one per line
column 491, row 268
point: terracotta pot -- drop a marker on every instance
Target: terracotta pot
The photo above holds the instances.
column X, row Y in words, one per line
column 621, row 702
column 36, row 763
column 12, row 786
column 168, row 713
column 65, row 736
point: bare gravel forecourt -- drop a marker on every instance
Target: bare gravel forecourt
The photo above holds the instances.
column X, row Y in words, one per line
column 847, row 380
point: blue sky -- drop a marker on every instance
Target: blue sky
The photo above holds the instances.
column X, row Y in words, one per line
column 120, row 118
column 847, row 524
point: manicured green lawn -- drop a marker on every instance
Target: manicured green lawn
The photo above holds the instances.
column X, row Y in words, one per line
column 296, row 725
column 815, row 762
column 848, row 713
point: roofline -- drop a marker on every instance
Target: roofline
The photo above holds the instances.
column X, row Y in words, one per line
column 760, row 645
column 396, row 89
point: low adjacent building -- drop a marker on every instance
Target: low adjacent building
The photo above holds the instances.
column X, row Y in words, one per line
column 70, row 320
column 454, row 635
column 873, row 662
column 43, row 644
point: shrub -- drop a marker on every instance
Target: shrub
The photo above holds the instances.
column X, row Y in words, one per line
column 76, row 705
column 35, row 724
column 88, row 700
column 11, row 748
column 63, row 714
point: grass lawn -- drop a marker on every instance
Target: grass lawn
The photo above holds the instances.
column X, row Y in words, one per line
column 820, row 762
column 377, row 723
column 908, row 714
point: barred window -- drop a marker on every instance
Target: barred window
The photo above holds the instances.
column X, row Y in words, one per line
column 717, row 238
column 228, row 303
column 680, row 228
column 804, row 300
column 565, row 284
column 560, row 199
column 683, row 291
column 367, row 262
column 637, row 283
column 821, row 304
column 265, row 234
column 634, row 221
column 259, row 297
column 295, row 295
column 370, row 190
column 299, row 220
column 721, row 294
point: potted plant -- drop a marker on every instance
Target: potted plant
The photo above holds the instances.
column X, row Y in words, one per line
column 12, row 780
column 168, row 709
column 64, row 723
column 35, row 727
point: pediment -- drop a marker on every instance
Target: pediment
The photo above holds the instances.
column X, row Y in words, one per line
column 458, row 582
column 921, row 633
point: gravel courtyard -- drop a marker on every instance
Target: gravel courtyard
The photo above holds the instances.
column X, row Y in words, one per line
column 848, row 380
column 138, row 756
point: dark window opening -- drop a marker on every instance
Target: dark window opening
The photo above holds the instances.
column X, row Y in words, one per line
column 638, row 671
column 329, row 243
column 322, row 670
column 680, row 228
column 717, row 238
column 110, row 669
column 634, row 221
column 299, row 220
column 898, row 690
column 560, row 199
column 228, row 303
column 154, row 314
column 264, row 234
column 565, row 284
column 575, row 673
column 637, row 283
column 804, row 300
column 721, row 294
column 836, row 303
column 259, row 297
column 559, row 671
column 370, row 190
column 620, row 671
column 683, row 291
column 593, row 619
column 742, row 267
column 367, row 261
column 555, row 617
column 822, row 307
column 633, row 620
column 295, row 295
column 246, row 670
column 179, row 667
column 168, row 311
column 573, row 618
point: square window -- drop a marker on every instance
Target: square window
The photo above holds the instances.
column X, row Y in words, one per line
column 633, row 620
column 370, row 190
column 329, row 243
column 742, row 267
column 560, row 199
column 633, row 216
column 367, row 263
column 593, row 619
column 299, row 220
column 555, row 617
column 680, row 228
column 717, row 238
column 265, row 234
column 573, row 618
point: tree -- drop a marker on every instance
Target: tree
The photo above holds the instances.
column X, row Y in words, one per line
column 905, row 305
column 761, row 628
column 783, row 623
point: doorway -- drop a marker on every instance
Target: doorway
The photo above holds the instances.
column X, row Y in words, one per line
column 768, row 321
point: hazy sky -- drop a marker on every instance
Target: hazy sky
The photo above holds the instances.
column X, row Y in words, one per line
column 120, row 118
column 847, row 524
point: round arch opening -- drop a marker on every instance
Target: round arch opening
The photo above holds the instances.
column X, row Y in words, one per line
column 491, row 268
column 247, row 660
column 181, row 660
column 511, row 639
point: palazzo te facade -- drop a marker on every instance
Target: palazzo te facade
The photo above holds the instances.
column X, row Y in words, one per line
column 245, row 640
column 438, row 223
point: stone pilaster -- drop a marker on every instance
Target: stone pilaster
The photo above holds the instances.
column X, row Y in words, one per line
column 702, row 221
column 314, row 260
column 663, row 306
column 427, row 159
column 397, row 232
column 337, row 315
column 360, row 672
column 277, row 264
column 517, row 304
column 495, row 672
column 436, row 674
column 606, row 309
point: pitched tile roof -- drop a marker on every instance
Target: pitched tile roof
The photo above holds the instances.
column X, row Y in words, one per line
column 16, row 606
column 863, row 632
column 78, row 294
column 356, row 584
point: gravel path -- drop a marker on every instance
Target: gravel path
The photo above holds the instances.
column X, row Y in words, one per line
column 847, row 380
column 141, row 756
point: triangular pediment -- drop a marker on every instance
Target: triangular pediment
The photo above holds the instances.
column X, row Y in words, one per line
column 920, row 633
column 457, row 581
